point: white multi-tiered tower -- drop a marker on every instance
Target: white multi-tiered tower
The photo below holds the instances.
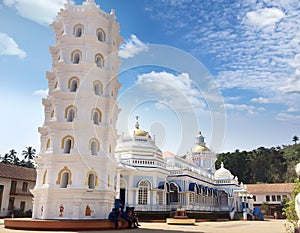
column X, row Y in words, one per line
column 76, row 165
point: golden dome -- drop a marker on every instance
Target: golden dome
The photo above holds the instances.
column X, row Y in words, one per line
column 199, row 148
column 139, row 132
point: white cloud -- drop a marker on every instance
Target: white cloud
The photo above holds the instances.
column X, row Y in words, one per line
column 8, row 46
column 41, row 93
column 42, row 11
column 264, row 17
column 261, row 100
column 240, row 107
column 244, row 58
column 291, row 109
column 176, row 91
column 288, row 117
column 132, row 47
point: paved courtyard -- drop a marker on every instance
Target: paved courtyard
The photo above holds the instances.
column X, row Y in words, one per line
column 268, row 226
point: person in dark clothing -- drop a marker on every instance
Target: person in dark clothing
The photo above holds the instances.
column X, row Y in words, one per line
column 134, row 218
column 126, row 216
column 114, row 217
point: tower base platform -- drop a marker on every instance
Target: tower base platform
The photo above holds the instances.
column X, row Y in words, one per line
column 61, row 225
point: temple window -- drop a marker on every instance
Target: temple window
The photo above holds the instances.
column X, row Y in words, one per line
column 99, row 60
column 101, row 35
column 143, row 189
column 78, row 30
column 76, row 57
column 67, row 144
column 73, row 84
column 70, row 113
column 64, row 180
column 94, row 146
column 173, row 193
column 96, row 116
column 91, row 181
column 98, row 88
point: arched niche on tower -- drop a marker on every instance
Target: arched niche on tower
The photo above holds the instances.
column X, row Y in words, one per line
column 78, row 30
column 44, row 177
column 48, row 144
column 91, row 179
column 96, row 116
column 99, row 60
column 70, row 113
column 73, row 84
column 67, row 143
column 64, row 177
column 98, row 88
column 94, row 146
column 101, row 35
column 76, row 56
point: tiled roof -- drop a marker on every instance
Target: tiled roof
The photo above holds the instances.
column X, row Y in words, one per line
column 16, row 172
column 270, row 188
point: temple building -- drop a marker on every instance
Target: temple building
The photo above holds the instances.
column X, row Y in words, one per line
column 76, row 165
column 82, row 169
column 154, row 181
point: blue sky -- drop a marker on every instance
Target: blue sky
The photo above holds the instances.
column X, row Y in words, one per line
column 228, row 68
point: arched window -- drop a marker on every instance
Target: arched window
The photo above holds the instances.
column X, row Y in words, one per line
column 173, row 193
column 91, row 181
column 67, row 144
column 67, row 147
column 94, row 146
column 101, row 35
column 109, row 151
column 96, row 116
column 76, row 57
column 78, row 30
column 64, row 178
column 98, row 88
column 55, row 85
column 99, row 60
column 143, row 189
column 223, row 197
column 73, row 84
column 52, row 114
column 70, row 113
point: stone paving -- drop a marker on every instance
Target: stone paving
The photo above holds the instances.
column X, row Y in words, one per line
column 268, row 226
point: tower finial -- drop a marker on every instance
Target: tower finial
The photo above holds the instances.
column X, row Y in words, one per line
column 137, row 125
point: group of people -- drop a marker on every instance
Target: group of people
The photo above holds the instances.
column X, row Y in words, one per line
column 128, row 215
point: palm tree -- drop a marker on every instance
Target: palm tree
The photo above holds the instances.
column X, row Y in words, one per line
column 295, row 139
column 6, row 159
column 12, row 154
column 29, row 153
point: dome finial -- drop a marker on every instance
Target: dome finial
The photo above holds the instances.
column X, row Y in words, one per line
column 137, row 125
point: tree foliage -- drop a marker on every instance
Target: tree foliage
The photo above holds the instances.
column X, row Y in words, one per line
column 289, row 208
column 263, row 165
column 12, row 158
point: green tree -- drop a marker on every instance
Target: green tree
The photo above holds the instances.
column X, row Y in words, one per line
column 29, row 153
column 14, row 159
column 6, row 159
column 292, row 157
column 289, row 209
column 295, row 139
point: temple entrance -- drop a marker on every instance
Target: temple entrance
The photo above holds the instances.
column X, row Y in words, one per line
column 122, row 196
